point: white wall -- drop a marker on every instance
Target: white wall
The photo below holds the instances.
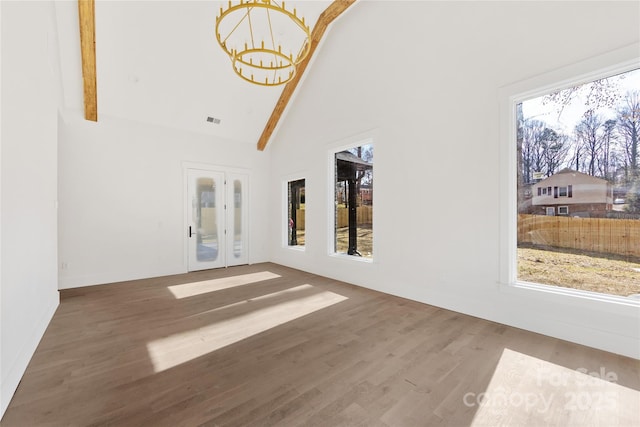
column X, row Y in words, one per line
column 121, row 195
column 30, row 95
column 424, row 79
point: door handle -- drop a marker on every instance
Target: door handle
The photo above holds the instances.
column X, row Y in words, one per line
column 190, row 233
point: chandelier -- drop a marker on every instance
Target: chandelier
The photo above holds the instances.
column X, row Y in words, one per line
column 264, row 40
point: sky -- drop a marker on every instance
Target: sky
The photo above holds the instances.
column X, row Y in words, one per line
column 573, row 112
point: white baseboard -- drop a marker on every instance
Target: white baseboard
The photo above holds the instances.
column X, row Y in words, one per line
column 69, row 282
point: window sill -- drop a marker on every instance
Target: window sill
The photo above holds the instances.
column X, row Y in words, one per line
column 520, row 286
column 352, row 258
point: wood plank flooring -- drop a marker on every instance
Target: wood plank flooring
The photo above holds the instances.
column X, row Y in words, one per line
column 266, row 345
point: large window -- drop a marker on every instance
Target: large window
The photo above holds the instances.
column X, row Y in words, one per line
column 296, row 204
column 353, row 232
column 578, row 186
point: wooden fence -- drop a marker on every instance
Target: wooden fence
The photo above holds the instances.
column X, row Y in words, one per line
column 364, row 215
column 300, row 219
column 604, row 235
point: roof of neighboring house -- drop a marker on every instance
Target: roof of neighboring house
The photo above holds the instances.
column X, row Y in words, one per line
column 573, row 173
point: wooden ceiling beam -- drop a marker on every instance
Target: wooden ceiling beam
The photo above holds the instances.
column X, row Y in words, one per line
column 86, row 13
column 334, row 10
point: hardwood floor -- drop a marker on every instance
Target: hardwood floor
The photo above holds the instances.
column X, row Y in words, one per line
column 266, row 345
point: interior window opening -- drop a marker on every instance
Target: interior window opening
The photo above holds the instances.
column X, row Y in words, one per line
column 353, row 231
column 296, row 205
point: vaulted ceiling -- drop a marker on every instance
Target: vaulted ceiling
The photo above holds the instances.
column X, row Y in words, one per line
column 158, row 62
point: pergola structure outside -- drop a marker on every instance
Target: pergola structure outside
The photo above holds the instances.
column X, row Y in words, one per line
column 347, row 167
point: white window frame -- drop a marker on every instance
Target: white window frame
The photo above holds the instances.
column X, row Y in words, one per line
column 614, row 62
column 367, row 138
column 566, row 210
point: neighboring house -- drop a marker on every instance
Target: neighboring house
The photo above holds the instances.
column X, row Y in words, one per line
column 573, row 193
column 366, row 193
column 365, row 196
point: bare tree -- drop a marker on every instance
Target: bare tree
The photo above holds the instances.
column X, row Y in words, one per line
column 555, row 149
column 628, row 126
column 543, row 150
column 606, row 158
column 519, row 142
column 597, row 94
column 532, row 152
column 588, row 136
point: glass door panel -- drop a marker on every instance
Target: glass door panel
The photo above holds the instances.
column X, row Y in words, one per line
column 237, row 218
column 237, row 215
column 205, row 232
column 205, row 217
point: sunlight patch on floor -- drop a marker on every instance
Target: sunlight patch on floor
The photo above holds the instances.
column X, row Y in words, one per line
column 525, row 390
column 165, row 353
column 198, row 288
column 263, row 298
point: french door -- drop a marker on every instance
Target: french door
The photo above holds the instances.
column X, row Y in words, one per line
column 216, row 219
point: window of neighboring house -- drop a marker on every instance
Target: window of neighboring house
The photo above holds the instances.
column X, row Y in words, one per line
column 588, row 133
column 296, row 203
column 562, row 191
column 354, row 195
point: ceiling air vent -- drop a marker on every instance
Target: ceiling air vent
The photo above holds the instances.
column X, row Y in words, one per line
column 213, row 120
